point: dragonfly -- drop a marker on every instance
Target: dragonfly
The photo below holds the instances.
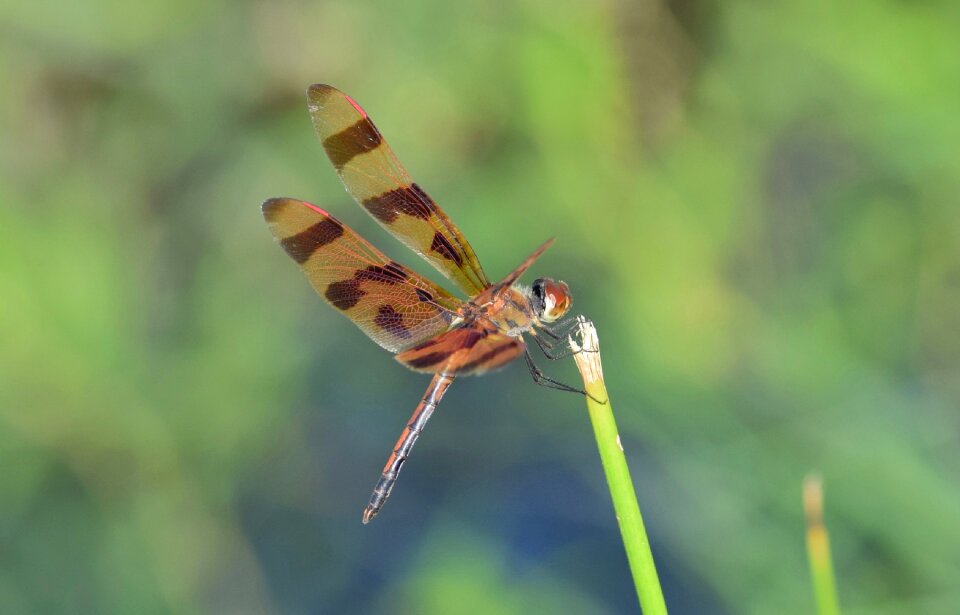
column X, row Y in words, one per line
column 429, row 329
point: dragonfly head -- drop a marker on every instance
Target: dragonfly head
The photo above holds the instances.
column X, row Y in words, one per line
column 551, row 299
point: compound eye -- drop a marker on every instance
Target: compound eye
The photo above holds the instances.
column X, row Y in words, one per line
column 556, row 300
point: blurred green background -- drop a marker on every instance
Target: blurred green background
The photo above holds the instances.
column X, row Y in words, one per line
column 755, row 202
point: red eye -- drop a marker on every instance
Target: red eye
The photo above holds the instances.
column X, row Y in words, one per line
column 557, row 300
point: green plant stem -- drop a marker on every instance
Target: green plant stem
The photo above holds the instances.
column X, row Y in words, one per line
column 635, row 542
column 818, row 548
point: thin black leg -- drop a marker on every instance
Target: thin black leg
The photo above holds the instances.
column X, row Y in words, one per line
column 554, row 336
column 549, row 346
column 552, row 352
column 546, row 381
column 561, row 329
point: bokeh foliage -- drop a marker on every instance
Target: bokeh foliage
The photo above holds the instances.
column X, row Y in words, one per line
column 757, row 203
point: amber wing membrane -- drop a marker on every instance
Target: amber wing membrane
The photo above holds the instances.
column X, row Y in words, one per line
column 379, row 183
column 468, row 349
column 395, row 306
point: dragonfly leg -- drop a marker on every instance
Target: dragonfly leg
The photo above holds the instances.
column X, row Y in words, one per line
column 560, row 329
column 549, row 346
column 546, row 381
column 401, row 450
column 550, row 350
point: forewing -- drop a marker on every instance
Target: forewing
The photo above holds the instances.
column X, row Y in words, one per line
column 465, row 350
column 378, row 182
column 395, row 306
